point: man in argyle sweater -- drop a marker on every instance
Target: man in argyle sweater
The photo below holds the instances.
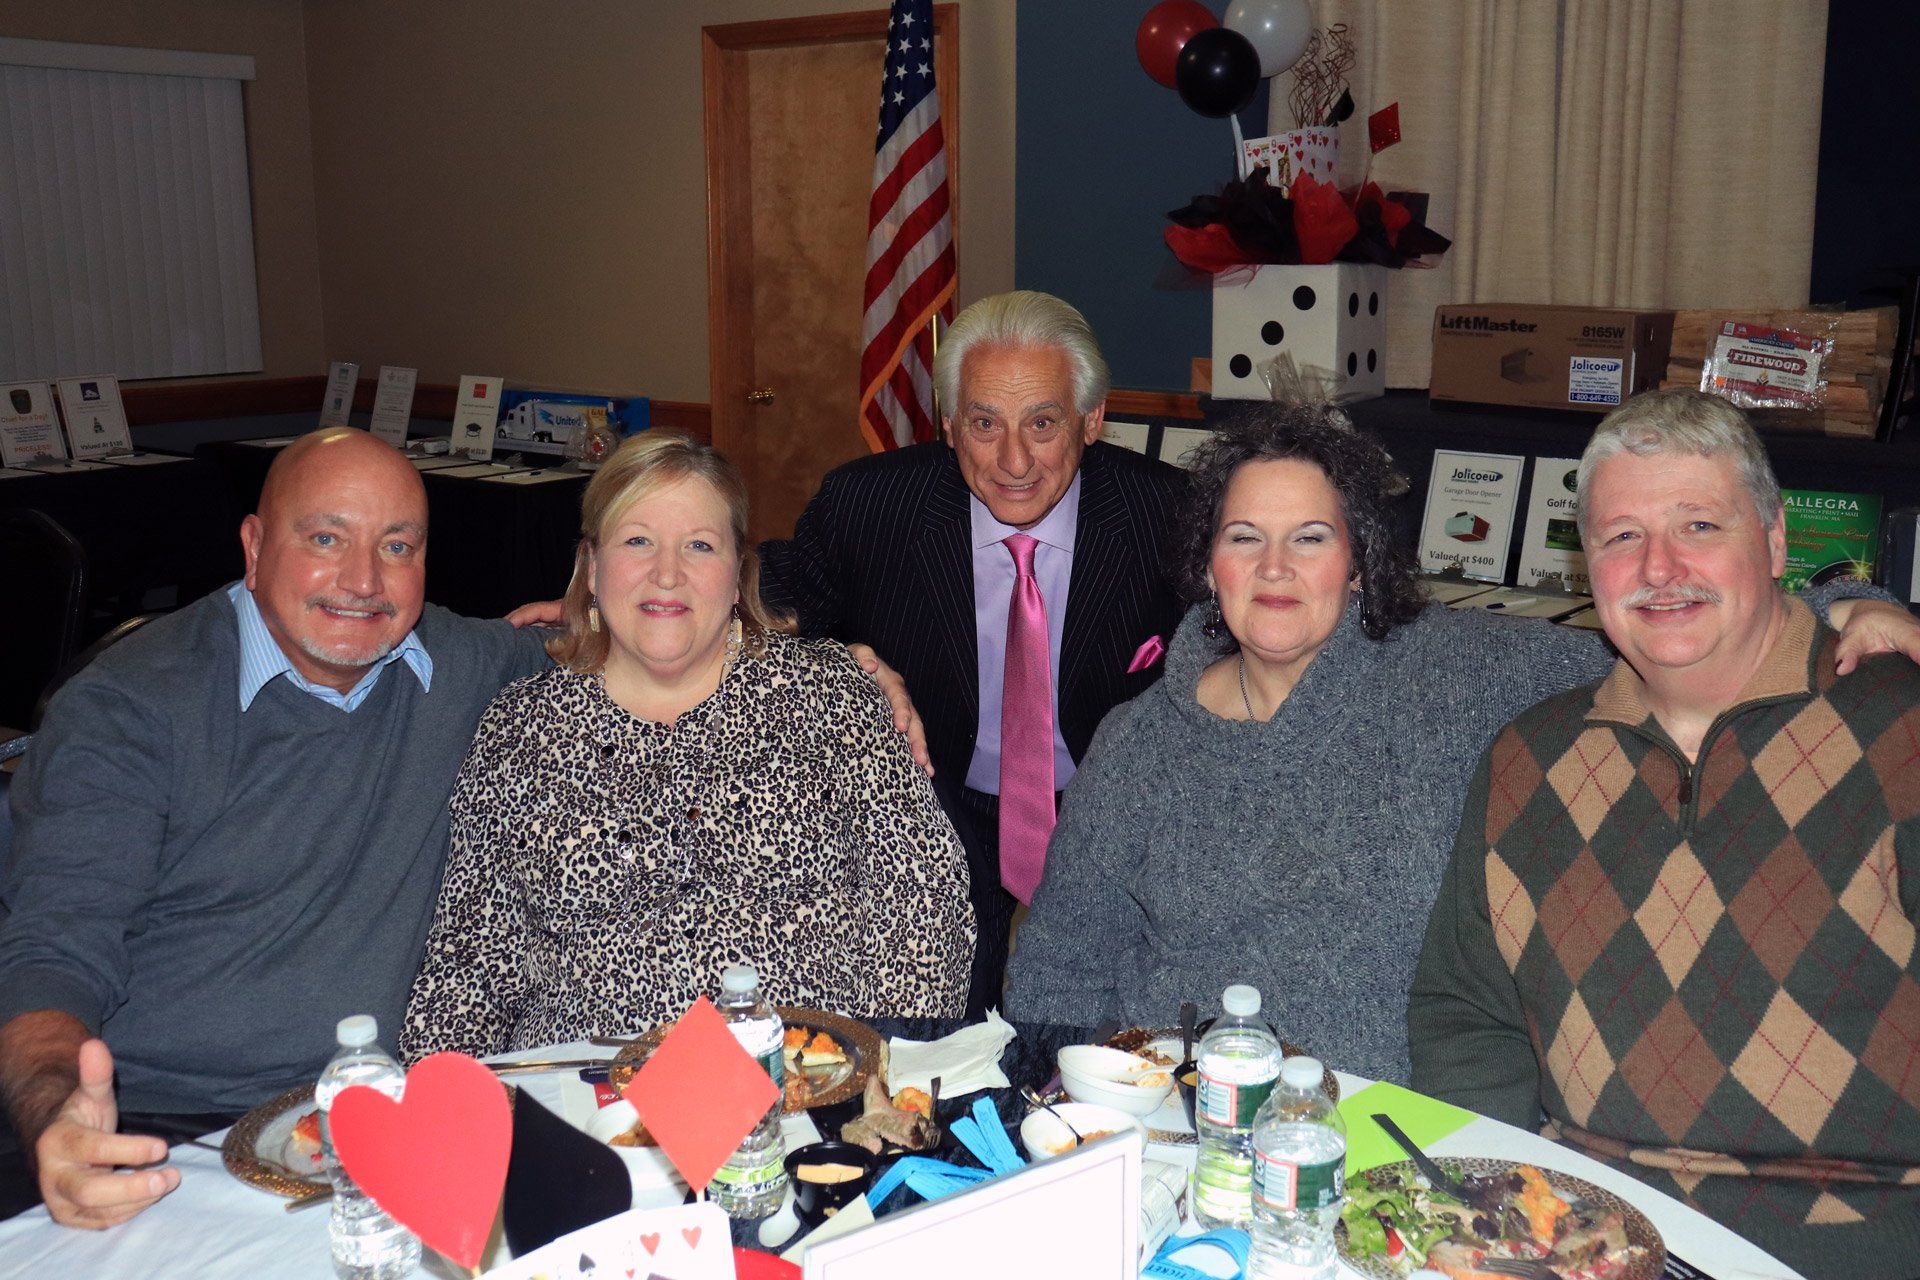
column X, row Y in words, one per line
column 1680, row 915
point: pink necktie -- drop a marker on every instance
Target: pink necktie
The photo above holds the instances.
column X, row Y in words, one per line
column 1026, row 731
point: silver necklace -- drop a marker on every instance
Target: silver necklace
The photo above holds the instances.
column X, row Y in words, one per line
column 1245, row 701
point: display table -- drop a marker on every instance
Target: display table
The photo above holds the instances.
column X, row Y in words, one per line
column 490, row 546
column 217, row 1228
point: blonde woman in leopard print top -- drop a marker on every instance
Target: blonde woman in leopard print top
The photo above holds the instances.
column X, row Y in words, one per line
column 690, row 788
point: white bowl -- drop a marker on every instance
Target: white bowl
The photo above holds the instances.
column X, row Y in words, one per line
column 1043, row 1135
column 1108, row 1078
column 612, row 1120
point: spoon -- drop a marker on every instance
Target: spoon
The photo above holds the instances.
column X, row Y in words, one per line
column 1187, row 1015
column 1027, row 1092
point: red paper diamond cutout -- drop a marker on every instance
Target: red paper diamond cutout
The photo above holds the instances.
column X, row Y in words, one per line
column 1383, row 127
column 700, row 1093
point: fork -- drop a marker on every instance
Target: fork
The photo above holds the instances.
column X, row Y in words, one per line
column 1521, row 1268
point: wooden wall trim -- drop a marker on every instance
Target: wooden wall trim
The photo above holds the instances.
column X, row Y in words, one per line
column 1158, row 404
column 257, row 397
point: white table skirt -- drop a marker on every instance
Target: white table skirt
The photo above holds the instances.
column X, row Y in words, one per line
column 214, row 1227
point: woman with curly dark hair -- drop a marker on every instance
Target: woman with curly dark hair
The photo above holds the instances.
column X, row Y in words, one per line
column 1279, row 808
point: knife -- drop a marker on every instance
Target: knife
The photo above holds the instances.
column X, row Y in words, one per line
column 547, row 1064
column 1431, row 1171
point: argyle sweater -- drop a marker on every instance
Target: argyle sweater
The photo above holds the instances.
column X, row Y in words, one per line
column 1703, row 973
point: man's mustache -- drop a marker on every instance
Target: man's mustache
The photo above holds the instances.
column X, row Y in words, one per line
column 1685, row 594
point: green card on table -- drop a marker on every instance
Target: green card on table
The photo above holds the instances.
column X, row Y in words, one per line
column 1425, row 1120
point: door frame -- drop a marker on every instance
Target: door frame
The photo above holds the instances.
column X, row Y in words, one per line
column 723, row 66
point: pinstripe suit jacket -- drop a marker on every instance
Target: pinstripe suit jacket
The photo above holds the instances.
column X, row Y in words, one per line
column 883, row 556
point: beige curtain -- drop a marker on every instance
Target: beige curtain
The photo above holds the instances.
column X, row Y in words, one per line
column 1603, row 152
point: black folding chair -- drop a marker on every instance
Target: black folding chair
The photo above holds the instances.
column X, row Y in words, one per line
column 44, row 579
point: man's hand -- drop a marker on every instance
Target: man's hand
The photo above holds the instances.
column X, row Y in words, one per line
column 1868, row 627
column 905, row 718
column 78, row 1152
column 540, row 613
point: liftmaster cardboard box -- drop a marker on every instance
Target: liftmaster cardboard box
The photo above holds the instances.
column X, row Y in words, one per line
column 1547, row 357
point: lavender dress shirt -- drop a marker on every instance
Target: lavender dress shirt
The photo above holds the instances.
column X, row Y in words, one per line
column 993, row 580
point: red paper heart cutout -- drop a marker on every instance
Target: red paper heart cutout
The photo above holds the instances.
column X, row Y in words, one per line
column 651, row 1240
column 437, row 1159
column 692, row 1235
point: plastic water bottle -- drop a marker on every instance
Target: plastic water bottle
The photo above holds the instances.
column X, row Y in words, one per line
column 1299, row 1177
column 754, row 1178
column 367, row 1244
column 1238, row 1061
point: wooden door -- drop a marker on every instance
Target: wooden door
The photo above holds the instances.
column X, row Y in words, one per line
column 791, row 110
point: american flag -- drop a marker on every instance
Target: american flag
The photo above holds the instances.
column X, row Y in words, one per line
column 910, row 272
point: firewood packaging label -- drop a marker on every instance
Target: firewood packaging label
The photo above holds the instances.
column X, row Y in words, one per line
column 1760, row 367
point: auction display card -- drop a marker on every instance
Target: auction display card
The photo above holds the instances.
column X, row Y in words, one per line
column 393, row 404
column 63, row 465
column 540, row 475
column 1550, row 554
column 142, row 459
column 28, row 429
column 1128, row 435
column 1178, row 443
column 8, row 473
column 475, row 415
column 1469, row 517
column 96, row 420
column 1830, row 536
column 336, row 407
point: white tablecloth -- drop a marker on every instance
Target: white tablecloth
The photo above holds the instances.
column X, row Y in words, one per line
column 217, row 1228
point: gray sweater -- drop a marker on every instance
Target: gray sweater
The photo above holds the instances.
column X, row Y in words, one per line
column 212, row 890
column 1301, row 855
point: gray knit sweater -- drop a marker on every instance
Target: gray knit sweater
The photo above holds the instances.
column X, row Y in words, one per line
column 1301, row 855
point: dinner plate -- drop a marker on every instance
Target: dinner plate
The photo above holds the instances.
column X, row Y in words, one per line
column 1648, row 1266
column 259, row 1149
column 834, row 1082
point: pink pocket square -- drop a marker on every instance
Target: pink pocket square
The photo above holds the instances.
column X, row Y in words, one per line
column 1147, row 654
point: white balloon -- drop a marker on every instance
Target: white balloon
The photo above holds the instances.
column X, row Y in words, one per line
column 1277, row 29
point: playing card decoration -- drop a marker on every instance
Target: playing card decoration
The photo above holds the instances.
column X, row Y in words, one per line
column 700, row 1093
column 1383, row 127
column 437, row 1159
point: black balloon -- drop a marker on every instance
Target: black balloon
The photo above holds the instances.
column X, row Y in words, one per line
column 1218, row 72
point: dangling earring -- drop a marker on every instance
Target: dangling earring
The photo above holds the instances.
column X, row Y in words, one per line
column 593, row 618
column 1216, row 624
column 736, row 638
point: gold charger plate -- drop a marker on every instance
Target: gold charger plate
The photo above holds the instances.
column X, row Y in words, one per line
column 261, row 1141
column 866, row 1056
column 1640, row 1231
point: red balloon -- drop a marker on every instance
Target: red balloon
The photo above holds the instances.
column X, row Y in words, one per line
column 1164, row 32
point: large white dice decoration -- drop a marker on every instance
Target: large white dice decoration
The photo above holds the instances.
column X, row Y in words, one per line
column 1331, row 320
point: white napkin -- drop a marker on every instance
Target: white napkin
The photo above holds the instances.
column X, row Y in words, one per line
column 966, row 1061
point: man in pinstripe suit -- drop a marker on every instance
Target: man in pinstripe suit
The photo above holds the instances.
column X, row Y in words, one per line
column 908, row 552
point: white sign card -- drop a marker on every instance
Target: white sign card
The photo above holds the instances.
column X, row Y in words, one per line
column 1127, row 435
column 1178, row 443
column 28, row 429
column 475, row 414
column 336, row 407
column 96, row 420
column 1075, row 1215
column 1469, row 517
column 687, row 1242
column 1550, row 554
column 393, row 404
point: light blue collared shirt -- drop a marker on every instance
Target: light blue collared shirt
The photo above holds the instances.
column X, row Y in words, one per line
column 993, row 579
column 262, row 658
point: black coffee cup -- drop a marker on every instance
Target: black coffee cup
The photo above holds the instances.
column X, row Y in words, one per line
column 815, row 1202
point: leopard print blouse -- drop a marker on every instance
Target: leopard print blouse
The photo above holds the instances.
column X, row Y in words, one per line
column 604, row 869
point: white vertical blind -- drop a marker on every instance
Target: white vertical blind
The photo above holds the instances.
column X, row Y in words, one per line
column 126, row 226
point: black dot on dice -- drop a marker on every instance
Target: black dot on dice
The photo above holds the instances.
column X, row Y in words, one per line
column 1303, row 298
column 1373, row 304
column 1241, row 366
column 1272, row 333
column 1353, row 363
column 1353, row 304
column 1373, row 359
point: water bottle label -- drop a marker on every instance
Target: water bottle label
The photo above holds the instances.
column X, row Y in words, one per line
column 733, row 1178
column 1225, row 1102
column 776, row 1064
column 1288, row 1184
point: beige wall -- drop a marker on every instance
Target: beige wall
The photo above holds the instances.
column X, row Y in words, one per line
column 519, row 189
column 286, row 246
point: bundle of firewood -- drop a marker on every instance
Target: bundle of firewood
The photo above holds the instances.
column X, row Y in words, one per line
column 1856, row 372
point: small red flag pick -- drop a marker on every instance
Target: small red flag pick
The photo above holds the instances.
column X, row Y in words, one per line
column 1383, row 127
column 700, row 1093
column 436, row 1160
